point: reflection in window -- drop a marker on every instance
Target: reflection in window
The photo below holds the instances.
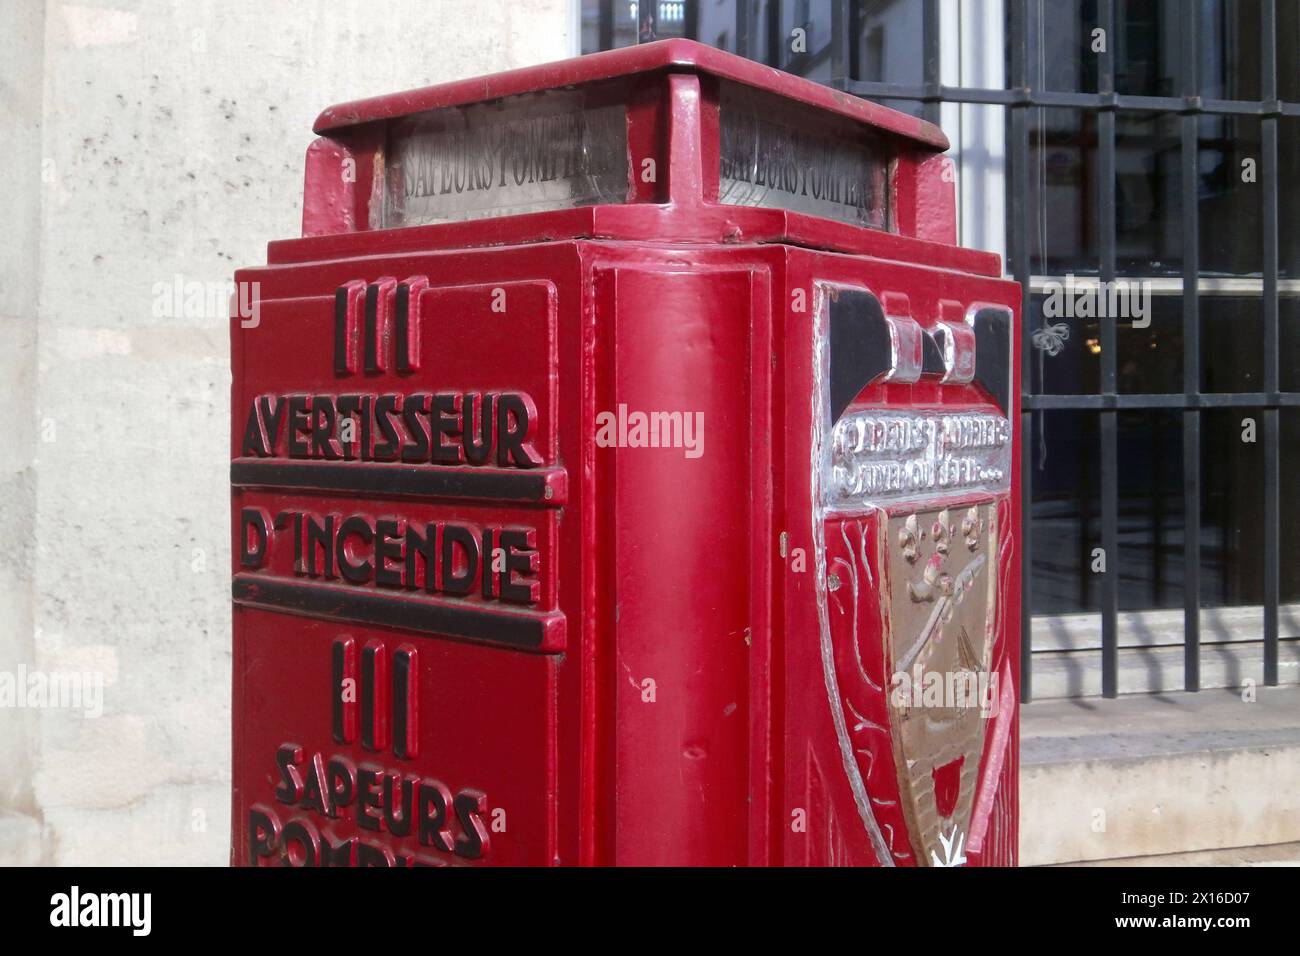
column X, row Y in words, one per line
column 889, row 46
column 1288, row 41
column 1232, row 343
column 1288, row 327
column 1066, row 61
column 1288, row 194
column 1150, row 357
column 1232, row 507
column 1230, row 196
column 1148, row 46
column 1065, row 511
column 1151, row 516
column 1148, row 194
column 1289, row 422
column 1228, row 53
column 1063, row 191
column 1065, row 360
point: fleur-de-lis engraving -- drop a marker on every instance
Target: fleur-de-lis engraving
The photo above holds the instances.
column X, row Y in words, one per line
column 942, row 532
column 971, row 527
column 908, row 538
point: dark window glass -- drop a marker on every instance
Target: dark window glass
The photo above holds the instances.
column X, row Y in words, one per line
column 623, row 29
column 1230, row 195
column 1232, row 343
column 716, row 24
column 1149, row 446
column 889, row 42
column 1148, row 194
column 1288, row 42
column 1288, row 364
column 1228, row 49
column 1232, row 507
column 1147, row 46
column 590, row 27
column 1063, row 191
column 1150, row 358
column 808, row 51
column 1288, row 191
column 1065, row 512
column 1065, row 61
column 1066, row 357
column 1289, row 426
column 1066, row 351
column 889, row 47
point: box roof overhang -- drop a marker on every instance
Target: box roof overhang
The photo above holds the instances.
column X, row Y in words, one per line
column 674, row 55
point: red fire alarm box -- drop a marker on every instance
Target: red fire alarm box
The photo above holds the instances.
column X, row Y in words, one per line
column 625, row 472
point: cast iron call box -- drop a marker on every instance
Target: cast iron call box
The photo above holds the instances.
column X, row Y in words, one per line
column 625, row 472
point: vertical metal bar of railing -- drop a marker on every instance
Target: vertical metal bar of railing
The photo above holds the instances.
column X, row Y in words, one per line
column 691, row 19
column 1109, row 364
column 606, row 25
column 1023, row 34
column 841, row 37
column 1189, row 121
column 930, row 60
column 743, row 27
column 648, row 28
column 775, row 42
column 1272, row 435
column 855, row 40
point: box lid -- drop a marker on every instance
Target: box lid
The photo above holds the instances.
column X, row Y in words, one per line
column 676, row 54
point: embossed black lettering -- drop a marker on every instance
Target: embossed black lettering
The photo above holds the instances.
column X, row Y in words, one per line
column 314, row 790
column 368, row 796
column 357, row 572
column 446, row 422
column 263, row 832
column 513, row 430
column 520, row 555
column 287, row 758
column 388, row 547
column 474, row 841
column 301, row 843
column 253, row 537
column 435, row 800
column 453, row 536
column 386, row 407
column 341, row 774
column 399, row 802
column 298, row 423
column 324, row 419
column 415, row 410
column 477, row 416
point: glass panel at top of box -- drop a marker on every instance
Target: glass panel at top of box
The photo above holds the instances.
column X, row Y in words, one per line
column 532, row 153
column 560, row 149
column 779, row 154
